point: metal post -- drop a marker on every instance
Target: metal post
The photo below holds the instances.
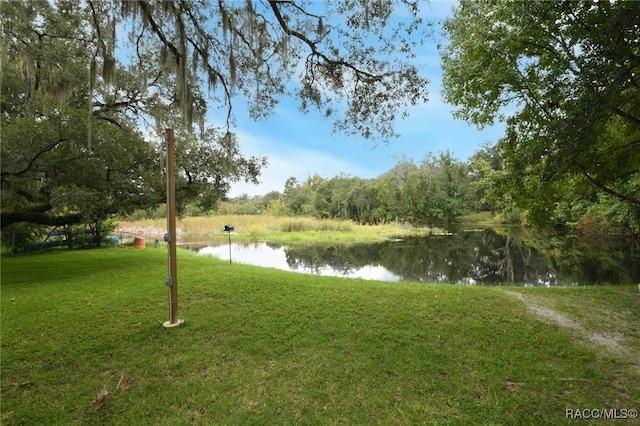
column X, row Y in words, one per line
column 229, row 230
column 170, row 237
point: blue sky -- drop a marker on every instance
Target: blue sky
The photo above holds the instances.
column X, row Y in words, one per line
column 300, row 145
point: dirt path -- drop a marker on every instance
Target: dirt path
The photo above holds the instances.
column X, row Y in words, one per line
column 612, row 342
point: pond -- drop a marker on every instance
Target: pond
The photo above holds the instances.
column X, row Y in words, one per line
column 483, row 256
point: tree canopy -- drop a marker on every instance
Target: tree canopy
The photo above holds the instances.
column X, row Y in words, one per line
column 565, row 76
column 353, row 56
column 437, row 190
column 88, row 86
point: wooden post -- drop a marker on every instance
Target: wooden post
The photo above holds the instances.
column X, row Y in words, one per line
column 170, row 237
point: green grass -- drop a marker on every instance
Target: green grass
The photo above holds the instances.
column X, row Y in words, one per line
column 261, row 346
column 478, row 218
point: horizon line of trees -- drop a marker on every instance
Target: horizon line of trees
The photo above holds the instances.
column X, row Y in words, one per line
column 438, row 190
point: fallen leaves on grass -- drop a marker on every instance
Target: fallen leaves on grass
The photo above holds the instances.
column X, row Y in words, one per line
column 123, row 384
column 103, row 397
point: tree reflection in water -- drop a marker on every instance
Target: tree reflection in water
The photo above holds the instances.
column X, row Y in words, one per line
column 487, row 256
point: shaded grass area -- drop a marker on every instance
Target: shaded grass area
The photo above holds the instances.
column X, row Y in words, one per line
column 82, row 342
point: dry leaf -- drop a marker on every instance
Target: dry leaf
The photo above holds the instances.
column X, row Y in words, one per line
column 103, row 396
column 124, row 385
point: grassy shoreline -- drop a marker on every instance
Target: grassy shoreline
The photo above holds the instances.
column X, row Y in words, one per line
column 277, row 229
column 82, row 342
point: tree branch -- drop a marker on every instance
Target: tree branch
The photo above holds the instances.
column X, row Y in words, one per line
column 627, row 116
column 34, row 158
column 144, row 7
column 362, row 75
column 622, row 197
column 38, row 217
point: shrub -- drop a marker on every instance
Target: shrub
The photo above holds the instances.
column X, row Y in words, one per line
column 16, row 237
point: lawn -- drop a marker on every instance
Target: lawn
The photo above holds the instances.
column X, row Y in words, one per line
column 83, row 343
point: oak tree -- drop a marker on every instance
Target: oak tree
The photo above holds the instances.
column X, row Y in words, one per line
column 87, row 87
column 565, row 77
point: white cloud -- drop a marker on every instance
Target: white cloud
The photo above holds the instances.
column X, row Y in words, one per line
column 284, row 162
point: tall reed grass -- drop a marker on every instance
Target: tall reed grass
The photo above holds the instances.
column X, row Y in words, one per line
column 256, row 224
column 308, row 224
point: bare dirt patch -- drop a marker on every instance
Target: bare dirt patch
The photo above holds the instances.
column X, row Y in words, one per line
column 611, row 341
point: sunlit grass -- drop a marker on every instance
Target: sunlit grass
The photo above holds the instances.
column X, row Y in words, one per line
column 82, row 342
column 479, row 218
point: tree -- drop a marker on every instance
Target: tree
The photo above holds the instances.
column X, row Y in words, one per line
column 67, row 91
column 292, row 196
column 488, row 180
column 566, row 79
column 351, row 52
column 394, row 187
column 48, row 176
column 450, row 194
column 269, row 197
column 72, row 152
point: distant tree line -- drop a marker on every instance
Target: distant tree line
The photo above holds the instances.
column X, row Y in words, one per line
column 437, row 190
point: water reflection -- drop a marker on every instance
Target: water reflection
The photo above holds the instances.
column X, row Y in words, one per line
column 483, row 256
column 280, row 257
